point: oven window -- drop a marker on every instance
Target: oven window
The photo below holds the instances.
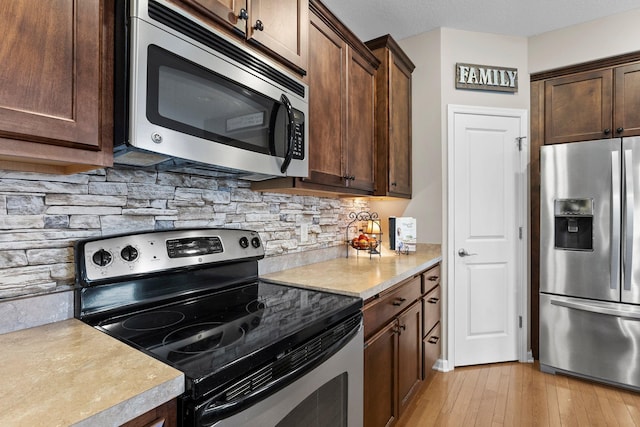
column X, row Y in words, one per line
column 191, row 99
column 327, row 406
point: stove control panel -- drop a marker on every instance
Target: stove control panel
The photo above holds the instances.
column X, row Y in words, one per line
column 194, row 246
column 143, row 253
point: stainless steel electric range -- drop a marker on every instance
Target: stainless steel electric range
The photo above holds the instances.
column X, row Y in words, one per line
column 252, row 352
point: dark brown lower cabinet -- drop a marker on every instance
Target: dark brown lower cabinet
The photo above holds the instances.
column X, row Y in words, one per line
column 409, row 354
column 380, row 359
column 393, row 367
column 399, row 351
column 393, row 355
column 431, row 308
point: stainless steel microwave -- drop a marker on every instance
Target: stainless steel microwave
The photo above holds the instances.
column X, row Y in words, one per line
column 189, row 98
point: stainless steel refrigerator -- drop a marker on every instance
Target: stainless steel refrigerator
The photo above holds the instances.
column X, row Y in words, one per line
column 590, row 260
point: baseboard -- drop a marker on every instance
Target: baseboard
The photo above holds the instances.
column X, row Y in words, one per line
column 529, row 357
column 443, row 365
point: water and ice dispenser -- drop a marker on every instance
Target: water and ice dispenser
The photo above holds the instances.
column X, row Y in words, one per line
column 573, row 224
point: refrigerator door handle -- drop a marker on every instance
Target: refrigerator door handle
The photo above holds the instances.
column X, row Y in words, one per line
column 628, row 218
column 596, row 308
column 615, row 220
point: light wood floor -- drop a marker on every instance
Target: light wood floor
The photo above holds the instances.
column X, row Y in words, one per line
column 518, row 394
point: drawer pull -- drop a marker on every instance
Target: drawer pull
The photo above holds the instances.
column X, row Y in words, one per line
column 433, row 278
column 433, row 340
column 399, row 301
column 433, row 300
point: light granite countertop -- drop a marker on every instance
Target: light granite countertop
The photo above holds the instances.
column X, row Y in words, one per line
column 360, row 275
column 70, row 374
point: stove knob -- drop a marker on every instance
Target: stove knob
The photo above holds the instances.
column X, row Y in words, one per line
column 101, row 258
column 129, row 253
column 244, row 242
column 255, row 242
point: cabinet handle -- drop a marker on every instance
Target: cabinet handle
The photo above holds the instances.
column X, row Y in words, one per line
column 403, row 327
column 352, row 177
column 258, row 25
column 607, row 131
column 620, row 130
column 433, row 278
column 243, row 14
column 433, row 300
column 399, row 301
column 393, row 184
column 433, row 340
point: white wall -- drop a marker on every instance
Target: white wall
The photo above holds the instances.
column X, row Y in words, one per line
column 602, row 38
column 485, row 49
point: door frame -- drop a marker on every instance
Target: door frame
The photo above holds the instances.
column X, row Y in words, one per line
column 522, row 247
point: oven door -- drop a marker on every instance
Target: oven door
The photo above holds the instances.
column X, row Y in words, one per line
column 190, row 101
column 331, row 394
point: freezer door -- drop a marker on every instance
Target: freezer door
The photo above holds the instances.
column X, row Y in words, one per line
column 580, row 213
column 631, row 220
column 592, row 339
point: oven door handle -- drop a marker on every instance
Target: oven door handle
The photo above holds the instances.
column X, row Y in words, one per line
column 291, row 133
column 216, row 409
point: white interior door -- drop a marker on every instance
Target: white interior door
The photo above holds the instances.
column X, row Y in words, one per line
column 486, row 231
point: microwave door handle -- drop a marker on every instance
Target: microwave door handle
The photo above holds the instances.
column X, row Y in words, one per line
column 291, row 126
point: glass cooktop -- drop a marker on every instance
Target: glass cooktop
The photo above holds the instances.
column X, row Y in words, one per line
column 215, row 337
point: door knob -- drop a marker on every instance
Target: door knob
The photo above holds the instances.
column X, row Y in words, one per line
column 463, row 253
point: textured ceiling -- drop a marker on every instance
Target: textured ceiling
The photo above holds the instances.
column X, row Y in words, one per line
column 404, row 18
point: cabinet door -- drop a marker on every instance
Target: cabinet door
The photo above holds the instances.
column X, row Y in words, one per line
column 360, row 145
column 578, row 107
column 327, row 85
column 226, row 13
column 50, row 60
column 399, row 129
column 626, row 113
column 281, row 26
column 380, row 362
column 56, row 101
column 409, row 354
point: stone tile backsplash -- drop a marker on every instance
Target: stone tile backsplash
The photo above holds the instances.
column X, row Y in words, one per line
column 41, row 216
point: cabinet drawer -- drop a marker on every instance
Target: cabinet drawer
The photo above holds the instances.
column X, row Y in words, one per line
column 431, row 351
column 431, row 310
column 431, row 279
column 379, row 311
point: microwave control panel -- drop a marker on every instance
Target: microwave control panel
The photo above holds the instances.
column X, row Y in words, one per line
column 298, row 141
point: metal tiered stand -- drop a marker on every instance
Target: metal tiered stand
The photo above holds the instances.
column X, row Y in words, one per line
column 371, row 230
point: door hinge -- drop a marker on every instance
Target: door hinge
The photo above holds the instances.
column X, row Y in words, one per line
column 520, row 232
column 520, row 322
column 520, row 138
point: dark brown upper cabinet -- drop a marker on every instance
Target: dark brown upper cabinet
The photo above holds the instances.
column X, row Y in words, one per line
column 56, row 96
column 341, row 121
column 393, row 118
